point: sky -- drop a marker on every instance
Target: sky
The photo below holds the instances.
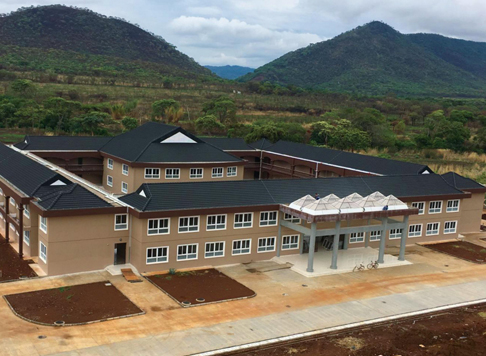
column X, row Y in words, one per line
column 254, row 32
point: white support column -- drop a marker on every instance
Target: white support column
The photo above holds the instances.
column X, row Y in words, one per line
column 403, row 240
column 381, row 253
column 367, row 236
column 346, row 241
column 335, row 246
column 312, row 247
column 279, row 237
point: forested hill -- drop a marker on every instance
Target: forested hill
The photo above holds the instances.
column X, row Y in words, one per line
column 376, row 59
column 30, row 31
column 230, row 72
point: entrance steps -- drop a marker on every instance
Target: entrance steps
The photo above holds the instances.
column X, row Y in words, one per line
column 116, row 270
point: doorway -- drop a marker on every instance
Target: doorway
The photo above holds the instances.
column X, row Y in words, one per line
column 120, row 253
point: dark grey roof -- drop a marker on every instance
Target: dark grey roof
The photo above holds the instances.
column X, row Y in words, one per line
column 62, row 143
column 204, row 195
column 69, row 197
column 347, row 159
column 261, row 144
column 460, row 182
column 228, row 144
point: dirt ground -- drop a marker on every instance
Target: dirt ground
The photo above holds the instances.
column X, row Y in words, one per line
column 11, row 266
column 201, row 286
column 73, row 304
column 456, row 332
column 462, row 249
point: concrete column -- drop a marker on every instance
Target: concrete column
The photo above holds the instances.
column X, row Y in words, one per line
column 381, row 253
column 21, row 231
column 279, row 238
column 346, row 241
column 367, row 236
column 335, row 246
column 312, row 247
column 7, row 211
column 403, row 240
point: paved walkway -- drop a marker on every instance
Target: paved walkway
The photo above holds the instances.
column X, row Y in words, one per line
column 197, row 340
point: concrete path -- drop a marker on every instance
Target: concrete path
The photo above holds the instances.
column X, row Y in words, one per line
column 202, row 339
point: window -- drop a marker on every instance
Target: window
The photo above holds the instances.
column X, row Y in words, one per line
column 187, row 252
column 395, row 234
column 214, row 249
column 27, row 237
column 292, row 219
column 121, row 222
column 124, row 187
column 241, row 247
column 231, row 171
column 125, row 169
column 290, row 242
column 43, row 252
column 415, row 230
column 432, row 229
column 172, row 173
column 196, row 173
column 158, row 226
column 27, row 211
column 266, row 244
column 12, row 202
column 217, row 173
column 109, row 181
column 268, row 218
column 243, row 220
column 189, row 224
column 356, row 237
column 435, row 207
column 157, row 255
column 216, row 222
column 375, row 235
column 110, row 163
column 420, row 206
column 152, row 173
column 450, row 227
column 43, row 224
column 452, row 206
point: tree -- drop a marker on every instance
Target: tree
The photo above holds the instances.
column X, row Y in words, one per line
column 59, row 113
column 90, row 123
column 7, row 111
column 480, row 139
column 23, row 87
column 347, row 137
column 129, row 123
column 321, row 131
column 400, row 127
column 268, row 131
column 223, row 107
column 209, row 124
column 160, row 107
column 462, row 116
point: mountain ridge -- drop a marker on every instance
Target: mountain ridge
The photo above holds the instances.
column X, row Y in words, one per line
column 230, row 71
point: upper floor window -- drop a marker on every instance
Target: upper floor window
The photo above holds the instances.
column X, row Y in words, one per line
column 435, row 207
column 110, row 163
column 420, row 206
column 189, row 224
column 27, row 237
column 124, row 187
column 452, row 206
column 152, row 173
column 121, row 222
column 196, row 173
column 109, row 181
column 216, row 222
column 158, row 226
column 27, row 211
column 125, row 169
column 232, row 171
column 43, row 224
column 172, row 173
column 268, row 218
column 292, row 219
column 243, row 220
column 217, row 172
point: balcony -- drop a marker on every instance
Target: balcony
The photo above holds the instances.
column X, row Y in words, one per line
column 83, row 168
column 268, row 167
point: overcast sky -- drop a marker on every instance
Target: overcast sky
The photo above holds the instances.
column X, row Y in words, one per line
column 254, row 32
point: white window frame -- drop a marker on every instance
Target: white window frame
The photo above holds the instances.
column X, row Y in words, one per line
column 195, row 175
column 173, row 174
column 109, row 181
column 415, row 233
column 241, row 247
column 453, row 209
column 124, row 189
column 356, row 237
column 435, row 208
column 375, row 235
column 152, row 174
column 157, row 257
column 214, row 252
column 188, row 224
column 417, row 205
column 292, row 243
column 243, row 222
column 217, row 174
column 427, row 229
column 109, row 163
column 42, row 254
column 186, row 253
column 268, row 220
column 266, row 239
column 450, row 230
column 121, row 226
column 43, row 224
column 232, row 171
column 292, row 219
column 125, row 169
column 158, row 228
column 26, row 240
column 27, row 211
column 217, row 224
column 12, row 202
column 395, row 234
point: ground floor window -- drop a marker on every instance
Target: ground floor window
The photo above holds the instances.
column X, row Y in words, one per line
column 43, row 252
column 395, row 234
column 415, row 230
column 157, row 255
column 241, row 247
column 27, row 238
column 432, row 229
column 187, row 252
column 356, row 237
column 214, row 249
column 450, row 227
column 266, row 244
column 375, row 235
column 290, row 242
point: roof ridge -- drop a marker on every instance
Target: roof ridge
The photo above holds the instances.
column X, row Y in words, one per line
column 268, row 191
column 60, row 193
column 453, row 186
column 149, row 198
column 158, row 138
column 362, row 179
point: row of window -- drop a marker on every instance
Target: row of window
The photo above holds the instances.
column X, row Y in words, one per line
column 110, row 163
column 435, row 207
column 194, row 173
column 217, row 249
column 124, row 185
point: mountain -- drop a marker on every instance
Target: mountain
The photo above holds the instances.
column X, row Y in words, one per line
column 376, row 59
column 230, row 72
column 60, row 31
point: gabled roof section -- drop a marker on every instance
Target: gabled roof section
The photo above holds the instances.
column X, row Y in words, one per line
column 261, row 144
column 228, row 144
column 62, row 143
column 460, row 182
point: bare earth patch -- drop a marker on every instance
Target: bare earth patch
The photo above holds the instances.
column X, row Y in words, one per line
column 461, row 249
column 11, row 266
